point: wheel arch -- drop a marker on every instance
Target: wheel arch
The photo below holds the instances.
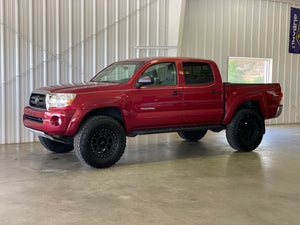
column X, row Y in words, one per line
column 249, row 104
column 254, row 104
column 113, row 112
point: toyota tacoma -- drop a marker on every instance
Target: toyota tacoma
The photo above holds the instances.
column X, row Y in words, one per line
column 146, row 96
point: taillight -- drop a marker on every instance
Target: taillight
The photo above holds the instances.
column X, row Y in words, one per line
column 281, row 95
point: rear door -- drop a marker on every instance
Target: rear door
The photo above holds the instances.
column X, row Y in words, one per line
column 203, row 94
column 159, row 104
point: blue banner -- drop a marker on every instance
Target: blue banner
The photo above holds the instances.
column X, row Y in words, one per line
column 295, row 31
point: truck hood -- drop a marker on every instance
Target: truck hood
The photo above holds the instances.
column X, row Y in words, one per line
column 82, row 87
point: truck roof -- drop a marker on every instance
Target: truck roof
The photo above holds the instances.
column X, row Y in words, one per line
column 164, row 59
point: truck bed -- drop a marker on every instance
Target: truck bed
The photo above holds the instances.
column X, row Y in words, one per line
column 267, row 97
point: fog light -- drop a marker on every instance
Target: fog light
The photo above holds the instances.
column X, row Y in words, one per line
column 55, row 121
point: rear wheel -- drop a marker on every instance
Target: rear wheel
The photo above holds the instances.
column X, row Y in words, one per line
column 55, row 146
column 245, row 131
column 100, row 141
column 192, row 135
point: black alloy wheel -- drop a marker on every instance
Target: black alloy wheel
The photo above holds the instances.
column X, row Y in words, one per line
column 245, row 131
column 103, row 143
column 100, row 141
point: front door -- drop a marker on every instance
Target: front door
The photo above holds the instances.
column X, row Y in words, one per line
column 158, row 104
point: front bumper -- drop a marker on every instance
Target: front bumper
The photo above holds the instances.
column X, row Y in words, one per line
column 61, row 139
column 52, row 122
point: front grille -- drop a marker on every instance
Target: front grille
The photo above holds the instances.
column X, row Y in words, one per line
column 38, row 101
column 33, row 118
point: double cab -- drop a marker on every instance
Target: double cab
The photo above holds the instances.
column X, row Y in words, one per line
column 146, row 96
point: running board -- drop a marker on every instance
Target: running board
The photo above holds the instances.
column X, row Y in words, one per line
column 212, row 127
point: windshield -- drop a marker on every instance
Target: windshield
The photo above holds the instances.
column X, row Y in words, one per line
column 119, row 72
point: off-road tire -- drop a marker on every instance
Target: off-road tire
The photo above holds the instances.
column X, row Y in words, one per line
column 100, row 141
column 192, row 135
column 245, row 131
column 55, row 146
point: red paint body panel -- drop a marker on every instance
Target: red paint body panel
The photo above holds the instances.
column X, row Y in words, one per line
column 156, row 106
column 66, row 118
column 267, row 95
column 204, row 104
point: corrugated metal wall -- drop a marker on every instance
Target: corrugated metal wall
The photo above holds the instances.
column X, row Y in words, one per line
column 216, row 29
column 45, row 42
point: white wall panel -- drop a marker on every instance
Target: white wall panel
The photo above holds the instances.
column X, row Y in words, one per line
column 45, row 42
column 217, row 29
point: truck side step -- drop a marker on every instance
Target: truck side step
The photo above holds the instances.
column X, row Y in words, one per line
column 212, row 127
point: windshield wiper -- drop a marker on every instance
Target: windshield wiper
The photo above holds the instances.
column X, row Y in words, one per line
column 107, row 81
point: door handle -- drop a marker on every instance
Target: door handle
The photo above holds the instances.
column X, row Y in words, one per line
column 176, row 93
column 215, row 92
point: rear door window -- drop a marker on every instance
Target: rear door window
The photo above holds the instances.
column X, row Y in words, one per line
column 196, row 73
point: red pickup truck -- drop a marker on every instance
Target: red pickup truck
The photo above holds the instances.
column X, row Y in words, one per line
column 145, row 96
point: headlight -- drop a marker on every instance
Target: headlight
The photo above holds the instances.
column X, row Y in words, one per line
column 59, row 100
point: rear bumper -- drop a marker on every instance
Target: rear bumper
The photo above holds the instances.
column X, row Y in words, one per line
column 279, row 111
column 52, row 122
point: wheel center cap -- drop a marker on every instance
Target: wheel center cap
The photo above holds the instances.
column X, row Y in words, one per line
column 102, row 142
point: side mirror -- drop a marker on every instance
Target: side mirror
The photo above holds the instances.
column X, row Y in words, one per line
column 145, row 80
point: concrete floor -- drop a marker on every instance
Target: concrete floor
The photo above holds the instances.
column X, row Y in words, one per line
column 160, row 180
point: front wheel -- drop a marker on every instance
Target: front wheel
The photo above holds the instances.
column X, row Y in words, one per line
column 100, row 142
column 55, row 146
column 245, row 131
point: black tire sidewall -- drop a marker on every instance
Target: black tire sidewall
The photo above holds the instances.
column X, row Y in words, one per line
column 233, row 134
column 83, row 147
